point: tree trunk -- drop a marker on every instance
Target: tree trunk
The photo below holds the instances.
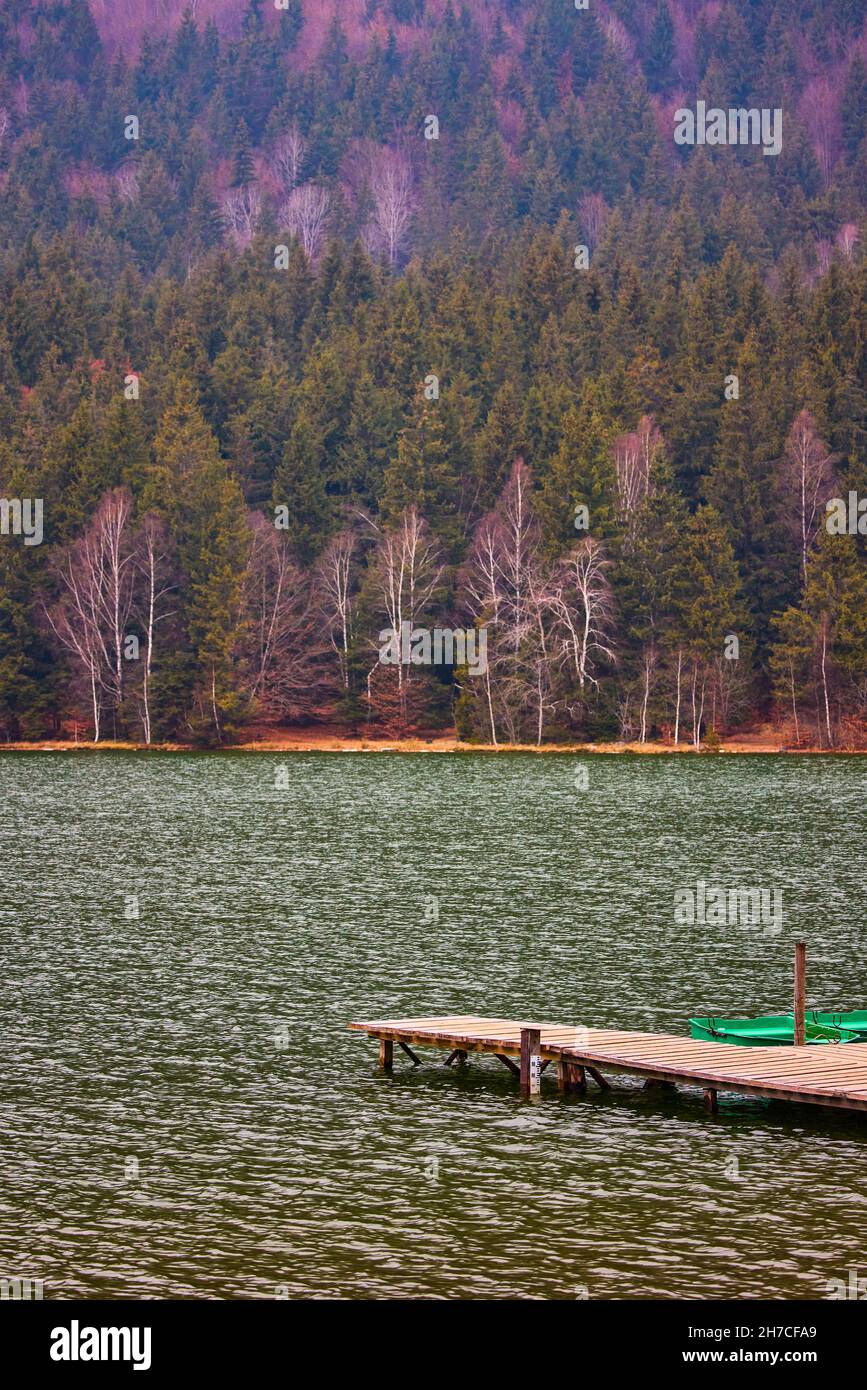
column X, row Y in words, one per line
column 794, row 706
column 146, row 671
column 825, row 682
column 490, row 706
column 214, row 700
column 95, row 699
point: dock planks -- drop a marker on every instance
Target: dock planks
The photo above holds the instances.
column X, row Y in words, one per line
column 817, row 1075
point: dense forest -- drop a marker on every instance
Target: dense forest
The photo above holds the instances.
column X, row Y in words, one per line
column 322, row 321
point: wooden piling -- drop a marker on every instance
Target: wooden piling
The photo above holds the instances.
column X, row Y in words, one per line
column 570, row 1077
column 800, row 993
column 531, row 1061
column 386, row 1055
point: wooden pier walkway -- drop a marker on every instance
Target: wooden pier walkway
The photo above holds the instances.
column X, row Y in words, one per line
column 816, row 1075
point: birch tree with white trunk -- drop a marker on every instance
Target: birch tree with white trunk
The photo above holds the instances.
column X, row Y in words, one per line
column 335, row 576
column 406, row 571
column 287, row 159
column 153, row 559
column 305, row 214
column 582, row 603
column 634, row 457
column 393, row 198
column 807, row 480
column 241, row 211
column 89, row 619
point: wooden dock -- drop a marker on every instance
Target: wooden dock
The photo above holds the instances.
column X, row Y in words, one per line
column 826, row 1074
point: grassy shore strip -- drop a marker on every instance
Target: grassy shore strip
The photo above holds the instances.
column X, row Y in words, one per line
column 326, row 743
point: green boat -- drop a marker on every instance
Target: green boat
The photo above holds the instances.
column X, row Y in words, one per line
column 777, row 1030
column 850, row 1023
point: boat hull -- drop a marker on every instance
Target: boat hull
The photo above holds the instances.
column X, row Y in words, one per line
column 849, row 1023
column 774, row 1030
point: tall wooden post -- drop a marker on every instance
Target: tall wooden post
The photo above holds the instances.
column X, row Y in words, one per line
column 800, row 992
column 531, row 1061
column 570, row 1076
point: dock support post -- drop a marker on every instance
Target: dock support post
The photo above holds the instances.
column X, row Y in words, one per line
column 386, row 1054
column 800, row 993
column 710, row 1100
column 531, row 1061
column 570, row 1077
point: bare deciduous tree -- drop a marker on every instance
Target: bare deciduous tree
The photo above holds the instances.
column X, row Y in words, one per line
column 593, row 214
column 335, row 579
column 505, row 589
column 89, row 618
column 287, row 158
column 582, row 603
column 391, row 188
column 807, row 477
column 634, row 456
column 848, row 238
column 127, row 182
column 820, row 110
column 482, row 593
column 406, row 571
column 649, row 659
column 241, row 210
column 286, row 645
column 153, row 559
column 305, row 214
column 519, row 553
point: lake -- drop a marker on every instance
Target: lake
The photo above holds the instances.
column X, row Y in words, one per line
column 184, row 1113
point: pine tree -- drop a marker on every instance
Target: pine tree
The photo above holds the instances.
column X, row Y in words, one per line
column 291, row 23
column 190, row 484
column 422, row 473
column 853, row 107
column 660, row 53
column 581, row 475
column 299, row 486
column 123, row 448
column 242, row 157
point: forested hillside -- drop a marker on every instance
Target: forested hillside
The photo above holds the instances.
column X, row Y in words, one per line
column 316, row 321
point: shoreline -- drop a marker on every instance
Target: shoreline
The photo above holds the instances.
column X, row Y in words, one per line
column 763, row 742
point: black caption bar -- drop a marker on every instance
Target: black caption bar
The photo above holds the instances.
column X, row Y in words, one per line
column 154, row 1340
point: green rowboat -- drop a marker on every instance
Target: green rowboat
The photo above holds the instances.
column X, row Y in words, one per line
column 778, row 1030
column 849, row 1023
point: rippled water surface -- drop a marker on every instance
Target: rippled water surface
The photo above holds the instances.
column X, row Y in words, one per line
column 184, row 1113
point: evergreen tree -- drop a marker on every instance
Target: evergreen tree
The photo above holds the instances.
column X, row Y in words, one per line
column 581, row 475
column 660, row 49
column 299, row 486
column 242, row 158
column 422, row 473
column 192, row 487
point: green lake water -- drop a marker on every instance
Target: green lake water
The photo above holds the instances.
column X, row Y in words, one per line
column 184, row 1114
